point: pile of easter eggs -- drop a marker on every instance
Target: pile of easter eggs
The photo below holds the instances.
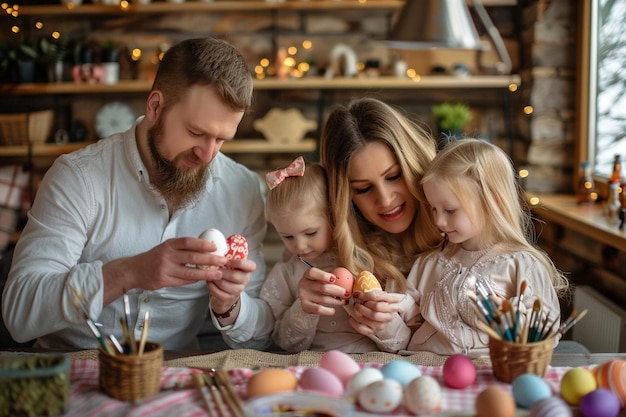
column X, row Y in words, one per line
column 599, row 392
column 375, row 389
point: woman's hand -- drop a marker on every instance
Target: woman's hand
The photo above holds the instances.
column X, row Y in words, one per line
column 373, row 310
column 317, row 292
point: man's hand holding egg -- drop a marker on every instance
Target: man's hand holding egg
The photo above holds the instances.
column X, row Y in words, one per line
column 235, row 247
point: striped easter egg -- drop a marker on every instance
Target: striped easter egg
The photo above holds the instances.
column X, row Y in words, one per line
column 612, row 375
column 550, row 407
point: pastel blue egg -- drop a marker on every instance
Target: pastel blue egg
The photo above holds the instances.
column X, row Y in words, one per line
column 401, row 371
column 527, row 389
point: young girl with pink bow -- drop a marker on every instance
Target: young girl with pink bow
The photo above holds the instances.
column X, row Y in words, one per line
column 297, row 207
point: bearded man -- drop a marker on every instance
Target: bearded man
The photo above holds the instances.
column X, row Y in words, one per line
column 122, row 216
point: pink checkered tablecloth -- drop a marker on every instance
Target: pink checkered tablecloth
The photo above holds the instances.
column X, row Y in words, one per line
column 178, row 395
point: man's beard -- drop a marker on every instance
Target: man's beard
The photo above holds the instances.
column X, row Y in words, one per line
column 178, row 186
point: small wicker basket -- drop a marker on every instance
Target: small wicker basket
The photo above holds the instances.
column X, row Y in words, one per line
column 22, row 128
column 129, row 377
column 510, row 360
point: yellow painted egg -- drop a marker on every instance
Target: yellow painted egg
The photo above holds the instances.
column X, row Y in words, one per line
column 366, row 282
column 575, row 384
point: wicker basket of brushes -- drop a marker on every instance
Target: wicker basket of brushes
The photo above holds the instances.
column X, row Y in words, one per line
column 131, row 377
column 510, row 360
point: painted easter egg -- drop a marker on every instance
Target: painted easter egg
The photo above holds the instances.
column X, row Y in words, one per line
column 366, row 282
column 345, row 279
column 237, row 247
column 423, row 395
column 612, row 375
column 217, row 237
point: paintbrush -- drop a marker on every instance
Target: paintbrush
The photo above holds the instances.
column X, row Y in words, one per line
column 309, row 264
column 520, row 296
column 507, row 314
column 79, row 303
column 491, row 332
column 532, row 323
column 569, row 324
column 144, row 333
column 129, row 328
column 506, row 330
column 480, row 308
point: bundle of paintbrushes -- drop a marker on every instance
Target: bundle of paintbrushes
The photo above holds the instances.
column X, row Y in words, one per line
column 519, row 341
column 505, row 320
column 113, row 346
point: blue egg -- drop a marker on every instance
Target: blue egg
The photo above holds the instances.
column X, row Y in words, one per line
column 551, row 407
column 527, row 389
column 401, row 371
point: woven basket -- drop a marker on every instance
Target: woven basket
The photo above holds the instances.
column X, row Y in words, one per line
column 129, row 377
column 512, row 359
column 20, row 128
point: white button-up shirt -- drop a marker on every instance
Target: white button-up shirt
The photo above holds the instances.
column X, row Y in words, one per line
column 96, row 205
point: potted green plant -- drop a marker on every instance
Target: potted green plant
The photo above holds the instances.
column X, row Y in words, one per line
column 18, row 62
column 54, row 53
column 110, row 61
column 451, row 119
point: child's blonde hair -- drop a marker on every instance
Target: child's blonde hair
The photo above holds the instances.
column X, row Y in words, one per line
column 297, row 193
column 482, row 177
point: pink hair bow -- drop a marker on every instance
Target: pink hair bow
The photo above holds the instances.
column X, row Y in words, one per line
column 295, row 169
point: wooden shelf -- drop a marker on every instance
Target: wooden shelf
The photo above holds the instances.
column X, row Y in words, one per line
column 234, row 146
column 585, row 219
column 41, row 150
column 223, row 6
column 307, row 83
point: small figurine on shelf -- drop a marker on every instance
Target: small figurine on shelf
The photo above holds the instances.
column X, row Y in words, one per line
column 586, row 192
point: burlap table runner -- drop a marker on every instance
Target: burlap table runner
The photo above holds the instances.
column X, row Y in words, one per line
column 254, row 359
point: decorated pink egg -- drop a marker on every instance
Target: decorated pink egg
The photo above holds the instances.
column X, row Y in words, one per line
column 321, row 380
column 344, row 277
column 341, row 364
column 237, row 247
column 459, row 371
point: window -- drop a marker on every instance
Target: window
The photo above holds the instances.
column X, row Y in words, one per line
column 602, row 99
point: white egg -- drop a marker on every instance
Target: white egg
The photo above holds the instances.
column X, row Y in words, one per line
column 361, row 379
column 217, row 237
column 381, row 396
column 423, row 395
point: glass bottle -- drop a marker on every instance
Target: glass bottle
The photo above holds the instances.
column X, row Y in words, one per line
column 613, row 205
column 616, row 174
column 586, row 192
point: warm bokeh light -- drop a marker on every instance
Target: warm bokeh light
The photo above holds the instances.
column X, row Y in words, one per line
column 124, row 4
column 39, row 25
column 292, row 50
column 258, row 69
column 513, row 87
column 528, row 109
column 135, row 55
column 4, row 6
column 307, row 44
column 304, row 67
column 264, row 62
column 71, row 5
column 15, row 29
column 523, row 173
column 55, row 35
column 534, row 201
column 411, row 72
column 289, row 62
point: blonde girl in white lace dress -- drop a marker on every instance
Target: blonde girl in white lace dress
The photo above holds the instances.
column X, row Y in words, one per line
column 476, row 202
